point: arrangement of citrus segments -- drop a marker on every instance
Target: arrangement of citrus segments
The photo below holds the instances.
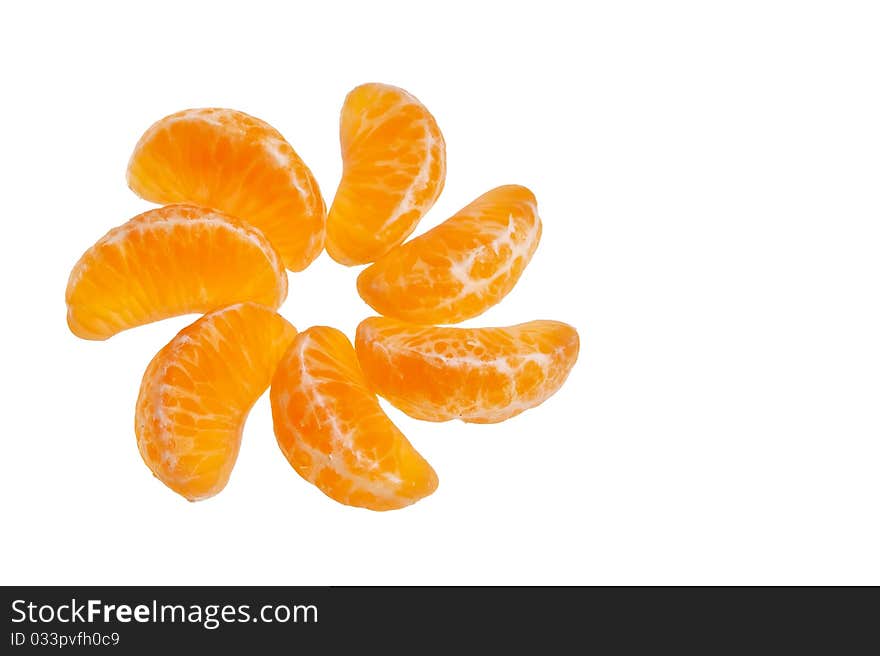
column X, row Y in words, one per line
column 240, row 208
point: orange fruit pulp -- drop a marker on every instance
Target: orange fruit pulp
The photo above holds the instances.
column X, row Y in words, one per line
column 460, row 268
column 394, row 168
column 197, row 391
column 480, row 375
column 170, row 261
column 332, row 431
column 236, row 163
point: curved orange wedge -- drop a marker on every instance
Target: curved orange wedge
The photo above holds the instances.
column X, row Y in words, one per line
column 480, row 375
column 460, row 268
column 394, row 168
column 197, row 391
column 228, row 160
column 332, row 431
column 170, row 261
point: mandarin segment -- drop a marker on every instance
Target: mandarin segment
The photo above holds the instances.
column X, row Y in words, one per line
column 460, row 268
column 394, row 168
column 170, row 261
column 331, row 429
column 197, row 391
column 228, row 160
column 479, row 375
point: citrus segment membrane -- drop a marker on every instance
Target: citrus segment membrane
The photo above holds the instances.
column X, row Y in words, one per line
column 228, row 160
column 460, row 268
column 479, row 375
column 331, row 429
column 394, row 168
column 170, row 261
column 197, row 391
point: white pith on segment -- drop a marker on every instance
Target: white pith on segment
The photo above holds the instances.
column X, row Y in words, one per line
column 311, row 375
column 497, row 360
column 292, row 216
column 236, row 123
column 123, row 286
column 180, row 413
column 519, row 237
column 420, row 182
column 379, row 163
column 316, row 432
column 463, row 266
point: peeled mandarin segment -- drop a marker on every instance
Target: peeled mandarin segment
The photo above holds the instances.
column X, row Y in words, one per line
column 394, row 168
column 479, row 375
column 170, row 261
column 333, row 432
column 231, row 161
column 460, row 268
column 197, row 392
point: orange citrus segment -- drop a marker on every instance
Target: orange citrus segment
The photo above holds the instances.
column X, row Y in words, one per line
column 332, row 431
column 231, row 161
column 170, row 261
column 394, row 167
column 480, row 375
column 197, row 392
column 462, row 267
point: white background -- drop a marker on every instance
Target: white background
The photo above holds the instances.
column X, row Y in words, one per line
column 707, row 174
